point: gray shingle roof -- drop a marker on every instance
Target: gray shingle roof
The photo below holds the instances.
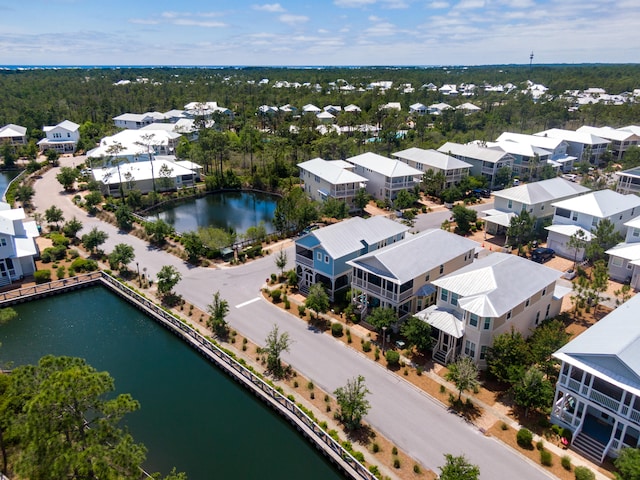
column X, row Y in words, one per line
column 497, row 283
column 415, row 255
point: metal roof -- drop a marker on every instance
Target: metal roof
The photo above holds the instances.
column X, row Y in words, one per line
column 611, row 347
column 586, row 138
column 444, row 319
column 415, row 255
column 495, row 284
column 350, row 235
column 331, row 172
column 431, row 158
column 474, row 152
column 628, row 251
column 608, row 133
column 383, row 165
column 138, row 171
column 543, row 191
column 570, row 230
column 548, row 143
column 12, row 130
column 601, row 204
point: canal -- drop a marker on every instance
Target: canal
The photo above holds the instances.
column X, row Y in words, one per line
column 192, row 416
column 226, row 210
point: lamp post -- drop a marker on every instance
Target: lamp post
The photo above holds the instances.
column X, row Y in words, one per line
column 139, row 280
column 384, row 337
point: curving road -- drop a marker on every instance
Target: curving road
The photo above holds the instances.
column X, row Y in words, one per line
column 411, row 419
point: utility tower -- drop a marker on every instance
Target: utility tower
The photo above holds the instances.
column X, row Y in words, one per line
column 530, row 60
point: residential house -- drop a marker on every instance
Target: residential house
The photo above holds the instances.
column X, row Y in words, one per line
column 18, row 247
column 206, row 110
column 438, row 108
column 484, row 161
column 162, row 173
column 310, row 108
column 328, row 179
column 556, row 146
column 628, row 181
column 468, row 108
column 133, row 121
column 386, row 177
column 535, row 197
column 620, row 139
column 13, row 134
column 352, row 108
column 624, row 258
column 333, row 109
column 598, row 392
column 584, row 146
column 528, row 160
column 449, row 90
column 586, row 211
column 454, row 170
column 391, row 106
column 62, row 137
column 322, row 254
column 325, row 117
column 417, row 109
column 135, row 145
column 487, row 298
column 400, row 276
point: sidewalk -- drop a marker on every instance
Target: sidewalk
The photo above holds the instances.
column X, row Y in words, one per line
column 491, row 411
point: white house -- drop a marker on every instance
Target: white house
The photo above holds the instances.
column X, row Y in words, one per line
column 62, row 137
column 556, row 146
column 399, row 276
column 310, row 108
column 386, row 177
column 586, row 211
column 535, row 197
column 162, row 173
column 598, row 392
column 13, row 134
column 628, row 181
column 487, row 298
column 324, row 179
column 454, row 170
column 417, row 109
column 449, row 90
column 133, row 121
column 18, row 247
column 438, row 108
column 620, row 140
column 484, row 161
column 136, row 145
column 467, row 107
column 585, row 146
column 624, row 258
column 206, row 110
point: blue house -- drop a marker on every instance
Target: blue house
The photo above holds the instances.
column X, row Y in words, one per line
column 322, row 255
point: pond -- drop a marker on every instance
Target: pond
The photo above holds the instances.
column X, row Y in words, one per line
column 192, row 416
column 5, row 178
column 225, row 210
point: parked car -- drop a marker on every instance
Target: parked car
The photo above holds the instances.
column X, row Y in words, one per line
column 481, row 192
column 542, row 254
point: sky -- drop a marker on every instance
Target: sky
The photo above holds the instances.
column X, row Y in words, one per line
column 318, row 32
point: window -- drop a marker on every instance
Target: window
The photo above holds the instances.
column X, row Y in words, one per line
column 483, row 352
column 537, row 317
column 487, row 323
column 594, row 222
column 441, row 269
column 544, row 292
column 470, row 349
column 326, row 259
column 508, row 314
column 574, row 216
column 319, row 256
column 636, row 232
column 426, row 279
column 454, row 298
column 473, row 320
column 3, row 242
column 616, row 261
column 629, row 266
column 444, row 295
column 526, row 304
column 546, row 315
column 510, row 204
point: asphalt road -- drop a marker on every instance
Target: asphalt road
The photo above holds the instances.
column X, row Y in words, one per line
column 411, row 419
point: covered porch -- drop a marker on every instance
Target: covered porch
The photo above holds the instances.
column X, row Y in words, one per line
column 448, row 330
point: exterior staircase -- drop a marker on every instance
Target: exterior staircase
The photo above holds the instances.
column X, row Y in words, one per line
column 589, row 447
column 440, row 356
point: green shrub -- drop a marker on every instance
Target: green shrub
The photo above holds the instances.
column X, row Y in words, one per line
column 416, row 468
column 336, row 329
column 71, row 271
column 394, row 451
column 60, row 272
column 545, row 458
column 302, row 310
column 276, row 295
column 504, row 426
column 584, row 473
column 310, row 385
column 375, row 448
column 84, row 265
column 358, row 456
column 565, row 461
column 374, row 470
column 58, row 239
column 287, row 304
column 42, row 276
column 539, row 445
column 393, row 358
column 524, row 438
column 366, row 346
column 73, row 253
column 50, row 254
column 377, row 354
column 396, row 463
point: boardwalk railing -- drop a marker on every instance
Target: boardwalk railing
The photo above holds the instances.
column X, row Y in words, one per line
column 287, row 408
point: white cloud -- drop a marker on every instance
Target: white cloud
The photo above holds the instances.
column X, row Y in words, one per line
column 270, row 7
column 383, row 29
column 439, row 5
column 395, row 4
column 353, row 3
column 373, row 18
column 293, row 19
column 143, row 21
column 470, row 4
column 198, row 23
